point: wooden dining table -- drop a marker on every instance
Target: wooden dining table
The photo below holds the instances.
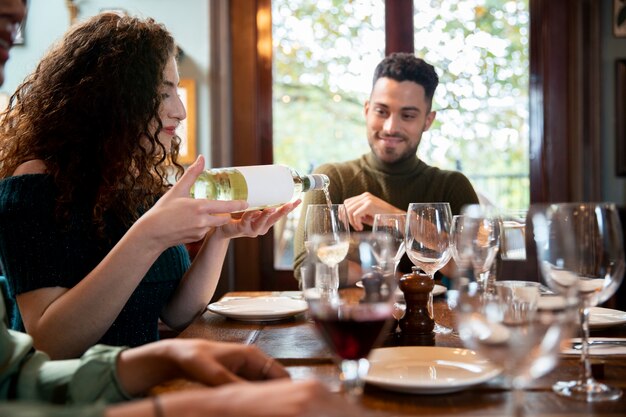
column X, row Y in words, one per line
column 295, row 343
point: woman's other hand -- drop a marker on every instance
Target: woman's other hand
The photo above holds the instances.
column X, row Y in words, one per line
column 177, row 218
column 255, row 223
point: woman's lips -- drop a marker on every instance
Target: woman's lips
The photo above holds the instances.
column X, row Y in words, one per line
column 170, row 130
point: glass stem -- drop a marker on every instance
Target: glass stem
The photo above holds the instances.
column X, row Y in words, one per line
column 395, row 269
column 353, row 373
column 587, row 377
column 334, row 277
column 518, row 400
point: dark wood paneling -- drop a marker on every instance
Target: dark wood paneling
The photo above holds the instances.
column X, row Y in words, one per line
column 399, row 26
column 620, row 117
column 549, row 100
column 245, row 112
column 564, row 100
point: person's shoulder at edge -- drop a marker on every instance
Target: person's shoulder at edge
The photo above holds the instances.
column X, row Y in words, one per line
column 34, row 166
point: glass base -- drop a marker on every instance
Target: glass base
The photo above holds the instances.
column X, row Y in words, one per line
column 439, row 329
column 352, row 376
column 591, row 392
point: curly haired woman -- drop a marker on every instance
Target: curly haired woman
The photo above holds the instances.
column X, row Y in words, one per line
column 92, row 232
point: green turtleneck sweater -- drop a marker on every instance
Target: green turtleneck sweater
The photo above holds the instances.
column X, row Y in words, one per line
column 410, row 181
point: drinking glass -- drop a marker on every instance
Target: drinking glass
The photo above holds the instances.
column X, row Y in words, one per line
column 353, row 320
column 513, row 235
column 332, row 220
column 460, row 243
column 427, row 239
column 581, row 256
column 515, row 327
column 393, row 225
column 479, row 238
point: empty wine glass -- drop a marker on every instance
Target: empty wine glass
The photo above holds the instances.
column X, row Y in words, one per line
column 328, row 219
column 515, row 327
column 581, row 256
column 513, row 235
column 460, row 244
column 427, row 239
column 352, row 320
column 393, row 225
column 480, row 239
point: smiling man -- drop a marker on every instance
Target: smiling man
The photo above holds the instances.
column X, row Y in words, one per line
column 391, row 176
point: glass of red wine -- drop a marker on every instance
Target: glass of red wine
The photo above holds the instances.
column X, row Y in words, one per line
column 353, row 320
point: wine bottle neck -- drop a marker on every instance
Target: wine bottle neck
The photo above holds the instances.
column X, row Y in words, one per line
column 314, row 182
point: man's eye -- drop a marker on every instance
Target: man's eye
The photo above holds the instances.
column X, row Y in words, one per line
column 165, row 95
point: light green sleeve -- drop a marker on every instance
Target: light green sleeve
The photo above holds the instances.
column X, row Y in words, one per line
column 27, row 375
column 20, row 409
column 86, row 380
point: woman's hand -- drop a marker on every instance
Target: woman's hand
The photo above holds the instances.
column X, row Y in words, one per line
column 177, row 218
column 254, row 223
column 209, row 363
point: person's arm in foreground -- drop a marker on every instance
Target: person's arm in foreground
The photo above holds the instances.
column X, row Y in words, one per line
column 106, row 375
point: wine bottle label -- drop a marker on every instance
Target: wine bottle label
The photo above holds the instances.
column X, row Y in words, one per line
column 268, row 185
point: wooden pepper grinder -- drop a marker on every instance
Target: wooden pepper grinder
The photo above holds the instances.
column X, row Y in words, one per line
column 417, row 288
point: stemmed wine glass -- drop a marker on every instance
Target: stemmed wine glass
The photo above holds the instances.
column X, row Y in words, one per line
column 332, row 220
column 352, row 320
column 427, row 239
column 479, row 237
column 581, row 256
column 393, row 225
column 460, row 242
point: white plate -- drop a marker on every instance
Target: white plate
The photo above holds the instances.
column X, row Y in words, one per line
column 600, row 318
column 258, row 308
column 428, row 369
column 437, row 290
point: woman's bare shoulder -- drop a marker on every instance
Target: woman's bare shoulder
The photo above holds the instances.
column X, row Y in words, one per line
column 34, row 166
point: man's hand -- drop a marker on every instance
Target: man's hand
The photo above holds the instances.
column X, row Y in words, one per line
column 362, row 208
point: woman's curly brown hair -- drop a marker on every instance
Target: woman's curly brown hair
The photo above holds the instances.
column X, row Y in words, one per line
column 86, row 112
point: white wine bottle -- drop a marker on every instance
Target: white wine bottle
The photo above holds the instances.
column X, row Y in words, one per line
column 261, row 186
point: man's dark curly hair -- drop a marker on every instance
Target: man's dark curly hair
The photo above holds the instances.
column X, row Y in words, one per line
column 86, row 112
column 402, row 66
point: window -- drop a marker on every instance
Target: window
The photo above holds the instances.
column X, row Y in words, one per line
column 481, row 51
column 321, row 49
column 324, row 56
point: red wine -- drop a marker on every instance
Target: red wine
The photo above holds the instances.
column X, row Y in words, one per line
column 353, row 336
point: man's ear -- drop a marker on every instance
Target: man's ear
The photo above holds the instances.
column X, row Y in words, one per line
column 430, row 118
column 366, row 107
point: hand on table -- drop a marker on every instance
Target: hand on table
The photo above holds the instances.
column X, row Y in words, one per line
column 362, row 208
column 206, row 362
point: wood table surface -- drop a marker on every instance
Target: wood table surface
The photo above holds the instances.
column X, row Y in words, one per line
column 295, row 343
